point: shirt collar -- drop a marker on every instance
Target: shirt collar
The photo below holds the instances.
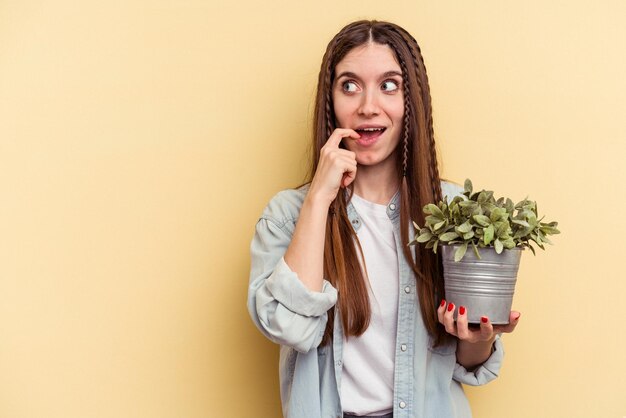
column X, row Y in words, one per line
column 393, row 212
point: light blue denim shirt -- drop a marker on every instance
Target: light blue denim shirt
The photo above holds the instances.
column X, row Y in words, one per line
column 427, row 380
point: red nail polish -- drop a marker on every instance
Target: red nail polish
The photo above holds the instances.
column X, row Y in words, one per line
column 443, row 302
column 462, row 310
column 451, row 307
column 484, row 319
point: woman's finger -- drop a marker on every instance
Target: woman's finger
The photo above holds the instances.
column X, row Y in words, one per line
column 462, row 327
column 448, row 320
column 513, row 321
column 486, row 328
column 441, row 310
column 338, row 134
column 348, row 177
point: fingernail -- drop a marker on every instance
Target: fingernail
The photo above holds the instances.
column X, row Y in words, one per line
column 462, row 310
column 443, row 303
column 518, row 315
column 484, row 319
column 451, row 307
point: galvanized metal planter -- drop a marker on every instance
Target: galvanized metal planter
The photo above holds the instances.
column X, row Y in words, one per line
column 484, row 286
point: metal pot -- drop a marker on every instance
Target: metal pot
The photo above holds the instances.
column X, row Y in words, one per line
column 484, row 286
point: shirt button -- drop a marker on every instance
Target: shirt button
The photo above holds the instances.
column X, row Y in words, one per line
column 407, row 289
column 403, row 347
column 392, row 206
column 402, row 404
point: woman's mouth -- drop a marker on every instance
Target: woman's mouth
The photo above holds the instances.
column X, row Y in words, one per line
column 369, row 135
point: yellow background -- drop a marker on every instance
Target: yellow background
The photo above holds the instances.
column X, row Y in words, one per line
column 140, row 140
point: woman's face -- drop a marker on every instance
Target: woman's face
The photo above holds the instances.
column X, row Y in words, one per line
column 367, row 97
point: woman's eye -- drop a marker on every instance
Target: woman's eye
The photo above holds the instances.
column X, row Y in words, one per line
column 349, row 86
column 389, row 85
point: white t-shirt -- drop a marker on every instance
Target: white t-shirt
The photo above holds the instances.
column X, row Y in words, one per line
column 368, row 360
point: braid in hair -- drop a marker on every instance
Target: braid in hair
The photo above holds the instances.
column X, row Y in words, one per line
column 434, row 169
column 340, row 254
column 422, row 78
column 430, row 285
column 328, row 104
column 407, row 116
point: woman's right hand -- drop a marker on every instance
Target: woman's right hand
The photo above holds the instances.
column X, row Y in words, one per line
column 336, row 168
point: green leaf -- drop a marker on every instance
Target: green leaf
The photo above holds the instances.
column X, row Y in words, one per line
column 476, row 251
column 439, row 225
column 488, row 234
column 482, row 220
column 468, row 186
column 519, row 222
column 436, row 243
column 549, row 230
column 502, row 229
column 448, row 236
column 539, row 243
column 468, row 204
column 460, row 252
column 497, row 214
column 424, row 237
column 464, row 228
column 521, row 233
column 435, row 211
column 469, row 235
column 498, row 245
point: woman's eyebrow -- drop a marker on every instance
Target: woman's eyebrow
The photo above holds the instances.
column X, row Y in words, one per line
column 347, row 74
column 390, row 73
column 350, row 74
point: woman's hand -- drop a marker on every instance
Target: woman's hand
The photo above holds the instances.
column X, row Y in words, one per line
column 475, row 344
column 461, row 329
column 336, row 168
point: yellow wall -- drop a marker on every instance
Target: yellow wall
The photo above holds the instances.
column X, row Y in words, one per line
column 139, row 141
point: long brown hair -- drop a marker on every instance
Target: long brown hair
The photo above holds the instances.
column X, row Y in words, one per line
column 417, row 172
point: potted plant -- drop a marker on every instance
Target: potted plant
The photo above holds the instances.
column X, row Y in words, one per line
column 482, row 280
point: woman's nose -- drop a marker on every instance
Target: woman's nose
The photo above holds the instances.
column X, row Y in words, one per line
column 369, row 105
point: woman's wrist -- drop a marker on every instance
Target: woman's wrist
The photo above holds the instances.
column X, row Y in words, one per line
column 472, row 354
column 317, row 201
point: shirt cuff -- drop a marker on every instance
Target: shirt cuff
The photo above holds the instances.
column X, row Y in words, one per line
column 484, row 373
column 288, row 290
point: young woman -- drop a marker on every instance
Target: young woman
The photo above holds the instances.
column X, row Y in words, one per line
column 361, row 318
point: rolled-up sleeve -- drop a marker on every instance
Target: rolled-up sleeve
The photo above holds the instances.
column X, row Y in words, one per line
column 280, row 305
column 486, row 372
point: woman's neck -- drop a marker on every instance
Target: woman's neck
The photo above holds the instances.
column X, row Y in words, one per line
column 376, row 184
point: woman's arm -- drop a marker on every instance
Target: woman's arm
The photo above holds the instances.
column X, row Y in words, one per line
column 288, row 298
column 281, row 307
column 336, row 169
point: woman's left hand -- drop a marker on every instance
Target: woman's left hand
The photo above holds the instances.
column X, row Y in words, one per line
column 475, row 344
column 460, row 328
